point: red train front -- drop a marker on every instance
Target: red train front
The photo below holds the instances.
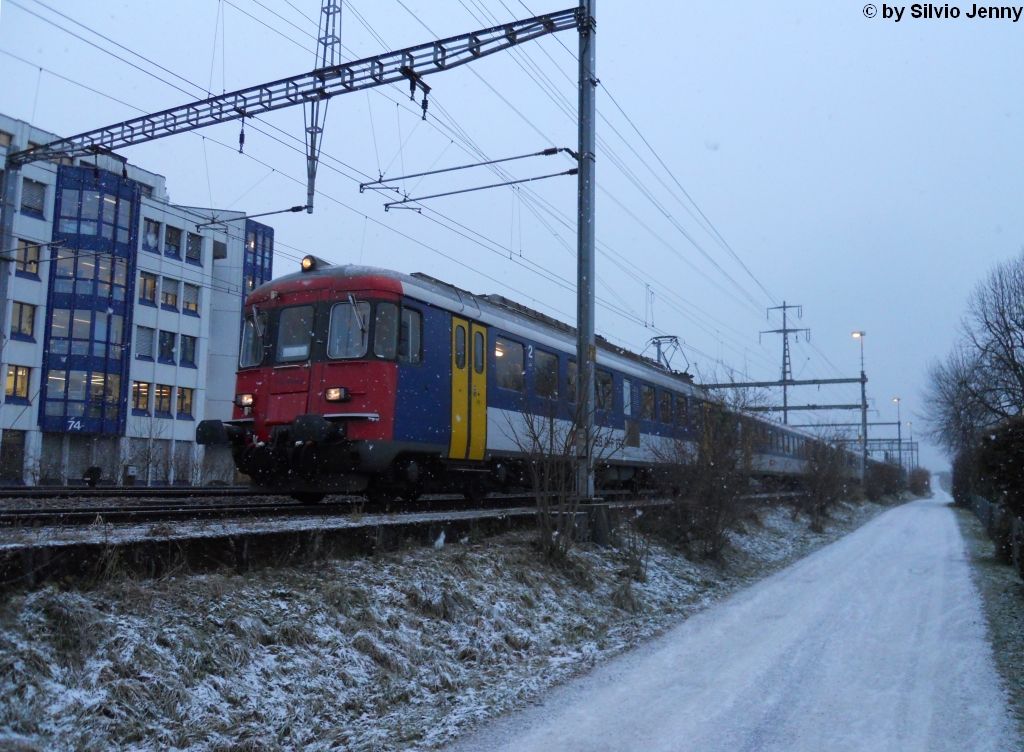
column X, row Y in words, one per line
column 318, row 381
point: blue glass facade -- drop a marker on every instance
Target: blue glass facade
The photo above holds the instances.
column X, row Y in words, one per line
column 258, row 266
column 85, row 385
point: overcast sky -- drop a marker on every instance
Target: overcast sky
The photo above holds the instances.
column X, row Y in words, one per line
column 867, row 169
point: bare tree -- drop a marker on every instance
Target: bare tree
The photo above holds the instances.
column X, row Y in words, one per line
column 548, row 444
column 824, row 478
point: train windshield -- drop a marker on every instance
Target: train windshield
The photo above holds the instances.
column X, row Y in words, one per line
column 252, row 341
column 294, row 334
column 349, row 330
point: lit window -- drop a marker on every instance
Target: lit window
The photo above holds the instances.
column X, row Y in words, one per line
column 169, row 293
column 162, row 399
column 167, row 342
column 33, row 197
column 147, row 288
column 188, row 350
column 144, row 336
column 194, row 248
column 23, row 320
column 151, row 236
column 17, row 382
column 27, row 258
column 172, row 241
column 185, row 397
column 508, row 365
column 190, row 299
column 140, row 396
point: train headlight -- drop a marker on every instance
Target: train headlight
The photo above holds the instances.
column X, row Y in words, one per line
column 337, row 394
column 243, row 400
column 308, row 263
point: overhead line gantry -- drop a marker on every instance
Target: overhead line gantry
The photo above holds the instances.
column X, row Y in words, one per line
column 409, row 65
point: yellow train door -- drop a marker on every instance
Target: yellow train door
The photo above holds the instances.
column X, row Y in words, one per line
column 478, row 394
column 460, row 389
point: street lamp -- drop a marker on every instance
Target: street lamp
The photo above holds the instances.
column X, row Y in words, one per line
column 899, row 429
column 863, row 405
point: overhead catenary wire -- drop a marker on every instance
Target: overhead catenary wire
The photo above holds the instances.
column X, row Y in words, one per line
column 275, row 139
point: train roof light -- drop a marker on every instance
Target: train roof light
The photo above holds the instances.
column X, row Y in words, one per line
column 312, row 263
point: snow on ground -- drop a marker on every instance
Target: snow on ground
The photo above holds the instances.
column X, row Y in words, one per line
column 404, row 650
column 875, row 643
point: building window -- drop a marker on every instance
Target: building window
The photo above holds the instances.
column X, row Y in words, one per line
column 151, row 236
column 190, row 299
column 27, row 259
column 172, row 242
column 147, row 288
column 220, row 250
column 185, row 396
column 5, row 139
column 188, row 350
column 509, row 365
column 194, row 248
column 545, row 375
column 162, row 399
column 17, row 383
column 169, row 293
column 144, row 342
column 140, row 397
column 167, row 342
column 33, row 198
column 23, row 321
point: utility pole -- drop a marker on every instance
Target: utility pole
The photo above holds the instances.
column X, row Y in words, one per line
column 586, row 347
column 787, row 364
column 899, row 431
column 328, row 55
column 863, row 405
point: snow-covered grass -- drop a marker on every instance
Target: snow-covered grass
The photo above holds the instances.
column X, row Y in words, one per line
column 403, row 650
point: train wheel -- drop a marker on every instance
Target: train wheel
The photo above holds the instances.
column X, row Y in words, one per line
column 309, row 497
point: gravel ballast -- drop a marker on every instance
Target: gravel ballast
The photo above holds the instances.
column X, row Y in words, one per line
column 397, row 651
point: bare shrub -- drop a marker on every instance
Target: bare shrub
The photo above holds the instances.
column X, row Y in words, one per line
column 824, row 479
column 883, row 480
column 919, row 481
column 708, row 481
column 549, row 445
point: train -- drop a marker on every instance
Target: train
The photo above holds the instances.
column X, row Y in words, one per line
column 358, row 380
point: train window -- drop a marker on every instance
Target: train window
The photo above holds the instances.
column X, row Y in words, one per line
column 627, row 397
column 460, row 347
column 478, row 352
column 252, row 341
column 647, row 402
column 604, row 390
column 294, row 333
column 545, row 375
column 570, row 382
column 410, row 337
column 680, row 410
column 385, row 331
column 665, row 407
column 508, row 365
column 350, row 326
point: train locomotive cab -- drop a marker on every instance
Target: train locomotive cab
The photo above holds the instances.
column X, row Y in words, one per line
column 318, row 379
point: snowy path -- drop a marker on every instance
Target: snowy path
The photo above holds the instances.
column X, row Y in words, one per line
column 876, row 642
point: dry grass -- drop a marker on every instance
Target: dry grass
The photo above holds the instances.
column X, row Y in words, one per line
column 388, row 652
